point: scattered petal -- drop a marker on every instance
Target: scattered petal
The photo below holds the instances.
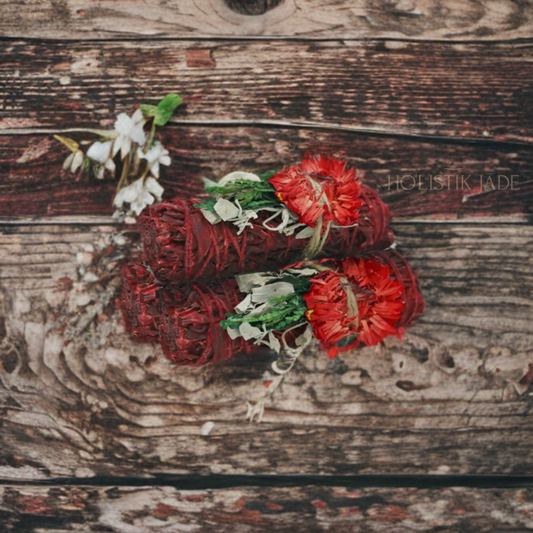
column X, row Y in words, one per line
column 207, row 428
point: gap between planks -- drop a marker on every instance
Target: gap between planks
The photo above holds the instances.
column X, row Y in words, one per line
column 204, row 482
column 88, row 220
column 305, row 125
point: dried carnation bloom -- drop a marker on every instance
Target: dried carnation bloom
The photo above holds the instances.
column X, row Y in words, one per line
column 320, row 187
column 378, row 298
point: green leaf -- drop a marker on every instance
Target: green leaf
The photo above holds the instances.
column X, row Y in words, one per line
column 149, row 110
column 166, row 107
column 71, row 144
column 162, row 111
column 283, row 311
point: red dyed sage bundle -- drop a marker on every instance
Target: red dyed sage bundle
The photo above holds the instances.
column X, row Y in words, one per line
column 181, row 245
column 343, row 303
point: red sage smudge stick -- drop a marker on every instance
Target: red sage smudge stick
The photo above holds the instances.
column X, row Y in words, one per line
column 180, row 245
column 187, row 317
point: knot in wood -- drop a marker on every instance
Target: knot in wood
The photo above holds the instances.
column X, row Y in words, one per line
column 252, row 7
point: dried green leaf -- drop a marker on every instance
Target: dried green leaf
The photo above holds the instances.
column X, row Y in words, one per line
column 71, row 144
column 162, row 111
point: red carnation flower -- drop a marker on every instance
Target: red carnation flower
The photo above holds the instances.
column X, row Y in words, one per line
column 379, row 298
column 337, row 200
column 379, row 303
column 328, row 313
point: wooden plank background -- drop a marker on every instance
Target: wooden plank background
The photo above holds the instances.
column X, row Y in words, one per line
column 424, row 20
column 409, row 87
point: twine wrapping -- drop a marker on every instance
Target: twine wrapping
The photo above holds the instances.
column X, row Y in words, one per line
column 402, row 272
column 189, row 323
column 140, row 301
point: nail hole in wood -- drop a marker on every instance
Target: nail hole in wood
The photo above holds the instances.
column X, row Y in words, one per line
column 409, row 386
column 252, row 7
column 9, row 361
column 446, row 360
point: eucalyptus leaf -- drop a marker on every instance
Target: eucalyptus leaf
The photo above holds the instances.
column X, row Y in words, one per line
column 272, row 290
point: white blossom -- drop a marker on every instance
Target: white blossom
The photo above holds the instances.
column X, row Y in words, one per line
column 100, row 152
column 74, row 161
column 129, row 129
column 157, row 155
column 139, row 194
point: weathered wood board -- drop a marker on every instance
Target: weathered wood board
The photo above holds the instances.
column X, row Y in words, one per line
column 409, row 88
column 467, row 20
column 316, row 509
column 500, row 183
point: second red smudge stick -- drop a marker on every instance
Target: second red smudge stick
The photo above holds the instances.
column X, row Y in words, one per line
column 186, row 318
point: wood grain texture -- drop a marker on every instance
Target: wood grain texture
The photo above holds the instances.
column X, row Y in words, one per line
column 318, row 510
column 464, row 91
column 33, row 183
column 449, row 20
column 452, row 397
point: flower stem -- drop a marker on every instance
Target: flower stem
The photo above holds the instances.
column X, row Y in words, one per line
column 124, row 175
column 151, row 137
column 107, row 134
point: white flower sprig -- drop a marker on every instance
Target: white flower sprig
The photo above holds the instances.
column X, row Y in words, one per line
column 129, row 147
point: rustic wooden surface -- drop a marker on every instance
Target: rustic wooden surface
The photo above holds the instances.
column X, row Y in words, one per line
column 450, row 20
column 451, row 397
column 316, row 509
column 425, row 87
